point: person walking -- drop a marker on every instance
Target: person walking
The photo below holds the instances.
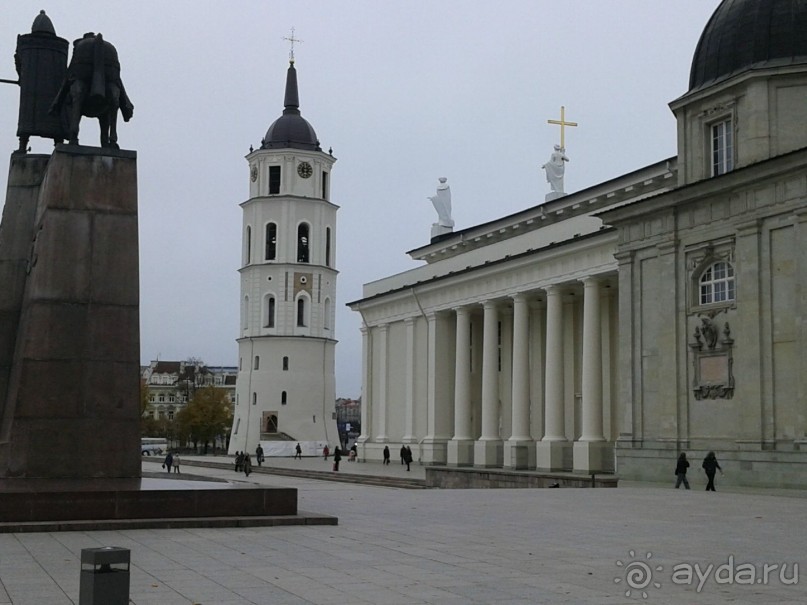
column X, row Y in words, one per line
column 169, row 460
column 176, row 464
column 247, row 465
column 407, row 456
column 386, row 455
column 711, row 466
column 326, row 452
column 403, row 454
column 337, row 456
column 298, row 452
column 259, row 454
column 239, row 461
column 681, row 471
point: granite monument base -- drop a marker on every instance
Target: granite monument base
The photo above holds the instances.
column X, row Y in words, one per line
column 28, row 505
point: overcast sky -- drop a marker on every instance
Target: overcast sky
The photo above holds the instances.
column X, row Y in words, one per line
column 404, row 92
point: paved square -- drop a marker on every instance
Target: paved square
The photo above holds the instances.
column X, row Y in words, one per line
column 398, row 546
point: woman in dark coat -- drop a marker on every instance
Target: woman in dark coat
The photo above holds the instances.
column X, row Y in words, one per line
column 711, row 465
column 337, row 456
column 407, row 457
column 681, row 471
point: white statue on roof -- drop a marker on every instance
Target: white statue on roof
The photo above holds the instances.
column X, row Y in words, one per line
column 442, row 203
column 555, row 168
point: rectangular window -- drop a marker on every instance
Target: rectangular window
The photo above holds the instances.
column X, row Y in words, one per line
column 274, row 179
column 324, row 185
column 722, row 147
column 257, row 362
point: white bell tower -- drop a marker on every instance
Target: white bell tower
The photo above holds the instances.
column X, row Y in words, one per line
column 286, row 388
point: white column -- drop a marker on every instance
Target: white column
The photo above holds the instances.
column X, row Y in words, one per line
column 366, row 378
column 555, row 419
column 592, row 362
column 383, row 371
column 519, row 449
column 462, row 376
column 460, row 448
column 591, row 453
column 409, row 413
column 521, row 368
column 488, row 449
column 490, row 372
column 553, row 452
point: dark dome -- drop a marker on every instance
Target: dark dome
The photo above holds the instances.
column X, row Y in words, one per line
column 750, row 34
column 291, row 129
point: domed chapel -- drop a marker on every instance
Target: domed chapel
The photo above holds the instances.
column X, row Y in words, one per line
column 608, row 329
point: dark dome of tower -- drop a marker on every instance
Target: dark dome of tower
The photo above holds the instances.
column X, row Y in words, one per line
column 750, row 34
column 291, row 129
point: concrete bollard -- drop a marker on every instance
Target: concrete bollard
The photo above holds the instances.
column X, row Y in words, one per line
column 104, row 576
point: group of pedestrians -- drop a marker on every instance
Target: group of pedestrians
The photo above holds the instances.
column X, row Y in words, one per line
column 243, row 462
column 171, row 461
column 710, row 466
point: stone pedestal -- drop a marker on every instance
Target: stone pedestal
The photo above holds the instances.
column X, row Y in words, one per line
column 439, row 230
column 25, row 176
column 488, row 453
column 432, row 451
column 593, row 456
column 519, row 454
column 461, row 452
column 553, row 455
column 72, row 408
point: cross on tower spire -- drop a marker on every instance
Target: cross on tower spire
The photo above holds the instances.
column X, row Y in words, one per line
column 562, row 123
column 291, row 39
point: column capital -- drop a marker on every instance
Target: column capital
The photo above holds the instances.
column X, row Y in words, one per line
column 520, row 297
column 554, row 290
column 490, row 304
column 462, row 309
column 408, row 321
column 591, row 280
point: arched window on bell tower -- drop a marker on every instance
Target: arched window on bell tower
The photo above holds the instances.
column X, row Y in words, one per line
column 271, row 241
column 303, row 243
column 327, row 246
column 248, row 245
column 301, row 312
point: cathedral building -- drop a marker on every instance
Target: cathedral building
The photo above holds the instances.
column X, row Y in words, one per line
column 609, row 329
column 285, row 389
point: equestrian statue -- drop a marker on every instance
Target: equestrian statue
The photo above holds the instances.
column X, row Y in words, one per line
column 92, row 87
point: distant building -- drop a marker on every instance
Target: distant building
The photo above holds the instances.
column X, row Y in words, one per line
column 348, row 412
column 171, row 384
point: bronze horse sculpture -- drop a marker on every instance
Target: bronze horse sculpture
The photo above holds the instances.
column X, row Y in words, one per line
column 93, row 88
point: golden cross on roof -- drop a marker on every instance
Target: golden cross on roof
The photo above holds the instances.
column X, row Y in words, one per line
column 292, row 40
column 562, row 123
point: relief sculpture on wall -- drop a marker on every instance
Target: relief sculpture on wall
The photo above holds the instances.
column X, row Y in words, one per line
column 712, row 358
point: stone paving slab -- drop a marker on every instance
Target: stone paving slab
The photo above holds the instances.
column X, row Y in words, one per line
column 395, row 546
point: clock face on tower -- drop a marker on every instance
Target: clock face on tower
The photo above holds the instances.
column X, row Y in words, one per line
column 304, row 170
column 253, row 174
